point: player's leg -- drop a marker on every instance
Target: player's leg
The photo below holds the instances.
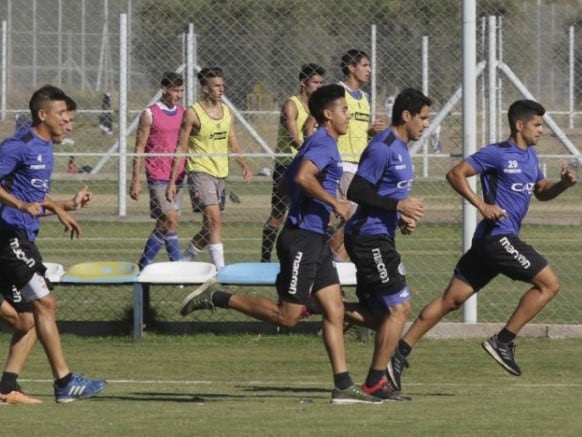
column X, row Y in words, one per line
column 155, row 240
column 68, row 386
column 530, row 266
column 546, row 286
column 168, row 223
column 21, row 344
column 279, row 206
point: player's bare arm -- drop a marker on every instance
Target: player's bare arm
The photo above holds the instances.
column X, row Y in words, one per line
column 306, row 178
column 33, row 208
column 413, row 207
column 289, row 122
column 458, row 179
column 547, row 190
column 190, row 125
column 71, row 225
column 143, row 132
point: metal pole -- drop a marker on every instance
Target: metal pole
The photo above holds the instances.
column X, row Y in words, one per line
column 190, row 65
column 425, row 92
column 122, row 114
column 491, row 74
column 571, row 78
column 469, row 131
column 373, row 75
column 4, row 67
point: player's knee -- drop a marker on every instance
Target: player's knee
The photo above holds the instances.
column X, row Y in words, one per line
column 289, row 321
column 46, row 305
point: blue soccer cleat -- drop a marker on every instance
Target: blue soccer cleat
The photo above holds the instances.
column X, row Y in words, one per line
column 79, row 388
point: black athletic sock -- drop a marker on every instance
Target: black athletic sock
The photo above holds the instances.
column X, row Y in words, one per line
column 220, row 299
column 374, row 376
column 342, row 380
column 404, row 348
column 505, row 336
column 269, row 237
column 8, row 382
column 62, row 382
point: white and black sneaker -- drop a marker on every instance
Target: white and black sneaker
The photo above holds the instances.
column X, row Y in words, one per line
column 503, row 353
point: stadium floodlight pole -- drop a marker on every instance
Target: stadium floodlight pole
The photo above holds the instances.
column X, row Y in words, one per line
column 469, row 132
column 122, row 187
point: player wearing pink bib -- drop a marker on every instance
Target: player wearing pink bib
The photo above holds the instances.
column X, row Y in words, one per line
column 157, row 136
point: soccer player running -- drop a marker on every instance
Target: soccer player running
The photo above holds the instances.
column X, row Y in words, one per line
column 25, row 171
column 294, row 112
column 510, row 174
column 207, row 131
column 356, row 69
column 381, row 189
column 306, row 260
column 157, row 132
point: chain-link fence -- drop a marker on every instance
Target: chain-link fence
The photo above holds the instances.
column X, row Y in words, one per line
column 260, row 46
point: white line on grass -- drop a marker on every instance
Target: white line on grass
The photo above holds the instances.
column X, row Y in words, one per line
column 303, row 383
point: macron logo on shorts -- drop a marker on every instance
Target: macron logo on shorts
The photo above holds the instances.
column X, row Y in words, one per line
column 380, row 266
column 521, row 259
column 295, row 273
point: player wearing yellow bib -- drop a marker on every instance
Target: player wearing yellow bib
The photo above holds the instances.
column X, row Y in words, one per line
column 207, row 134
column 356, row 68
column 294, row 112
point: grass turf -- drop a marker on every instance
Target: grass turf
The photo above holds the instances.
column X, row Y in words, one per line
column 252, row 385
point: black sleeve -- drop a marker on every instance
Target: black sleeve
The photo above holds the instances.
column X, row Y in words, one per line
column 363, row 193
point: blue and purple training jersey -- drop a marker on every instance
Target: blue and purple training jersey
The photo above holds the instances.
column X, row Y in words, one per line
column 306, row 212
column 386, row 164
column 26, row 165
column 508, row 178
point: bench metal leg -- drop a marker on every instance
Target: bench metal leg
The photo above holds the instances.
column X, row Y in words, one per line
column 137, row 311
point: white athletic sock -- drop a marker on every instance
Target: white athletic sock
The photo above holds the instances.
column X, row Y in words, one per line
column 216, row 252
column 190, row 253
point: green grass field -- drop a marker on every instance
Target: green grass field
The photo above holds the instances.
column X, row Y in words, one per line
column 241, row 385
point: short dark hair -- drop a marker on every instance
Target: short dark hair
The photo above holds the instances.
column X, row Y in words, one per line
column 71, row 104
column 523, row 110
column 324, row 98
column 41, row 98
column 352, row 57
column 310, row 70
column 209, row 73
column 411, row 100
column 171, row 79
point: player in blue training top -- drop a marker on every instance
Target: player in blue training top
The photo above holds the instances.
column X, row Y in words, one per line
column 510, row 174
column 306, row 261
column 26, row 164
column 381, row 188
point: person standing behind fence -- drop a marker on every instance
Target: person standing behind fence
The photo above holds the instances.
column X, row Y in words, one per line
column 381, row 189
column 294, row 112
column 356, row 69
column 207, row 131
column 510, row 174
column 157, row 132
column 307, row 267
column 25, row 171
